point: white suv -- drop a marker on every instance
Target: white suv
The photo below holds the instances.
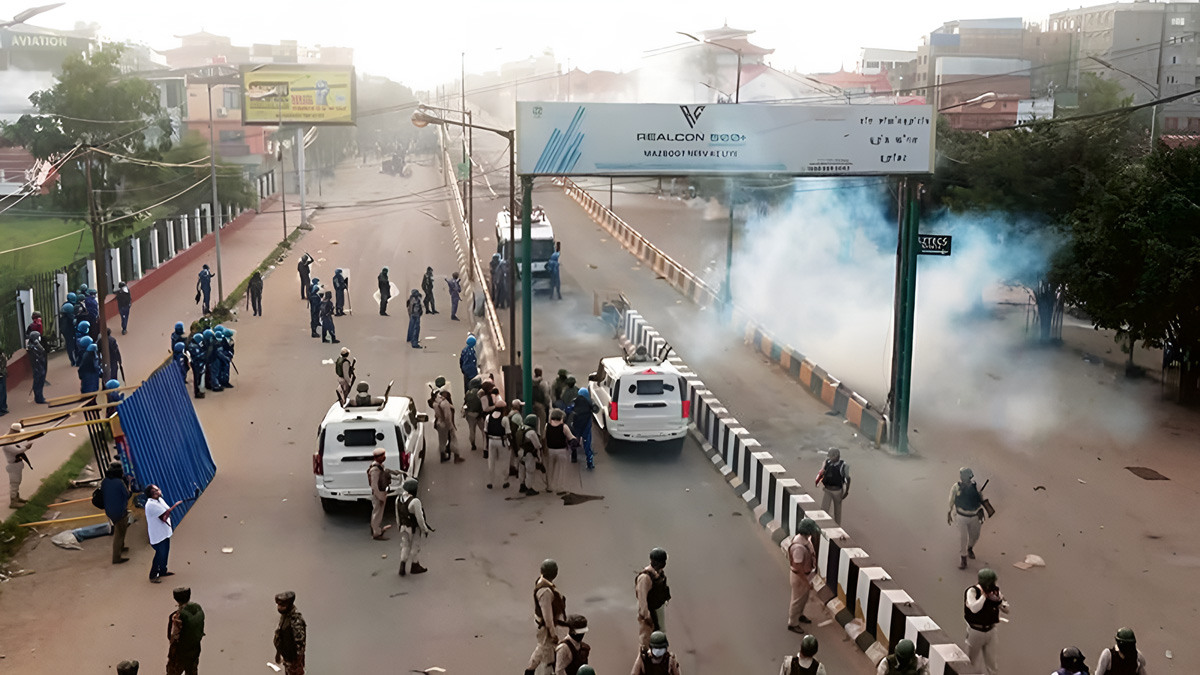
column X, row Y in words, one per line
column 349, row 435
column 640, row 399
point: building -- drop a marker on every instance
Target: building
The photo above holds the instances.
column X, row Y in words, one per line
column 30, row 59
column 900, row 66
column 1151, row 48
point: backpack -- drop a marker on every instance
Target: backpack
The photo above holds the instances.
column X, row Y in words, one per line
column 98, row 498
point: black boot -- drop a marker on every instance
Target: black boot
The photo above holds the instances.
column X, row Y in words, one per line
column 403, row 571
column 962, row 565
column 971, row 552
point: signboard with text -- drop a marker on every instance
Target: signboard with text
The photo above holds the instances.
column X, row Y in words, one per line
column 934, row 244
column 311, row 95
column 613, row 139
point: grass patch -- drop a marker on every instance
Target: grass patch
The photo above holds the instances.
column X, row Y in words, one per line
column 52, row 487
column 226, row 306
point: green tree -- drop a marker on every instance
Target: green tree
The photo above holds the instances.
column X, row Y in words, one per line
column 1134, row 263
column 90, row 116
column 1039, row 175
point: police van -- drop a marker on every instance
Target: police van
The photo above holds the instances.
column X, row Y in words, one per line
column 541, row 241
column 348, row 437
column 640, row 398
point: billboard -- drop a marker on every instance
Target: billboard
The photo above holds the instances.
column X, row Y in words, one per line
column 590, row 139
column 312, row 95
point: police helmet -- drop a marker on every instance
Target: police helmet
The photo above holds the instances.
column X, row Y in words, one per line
column 91, row 348
column 338, row 271
column 86, row 341
column 471, row 340
column 905, row 651
column 209, row 334
column 83, row 326
column 69, row 309
column 584, row 393
column 1126, row 636
column 91, row 291
column 549, row 568
column 658, row 639
column 112, row 384
column 531, row 420
column 987, row 576
column 808, row 646
column 1071, row 659
column 71, row 297
column 808, row 527
column 178, row 346
column 410, row 486
column 362, row 387
column 178, row 326
column 658, row 556
column 34, row 335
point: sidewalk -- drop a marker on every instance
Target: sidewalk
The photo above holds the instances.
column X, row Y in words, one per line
column 151, row 321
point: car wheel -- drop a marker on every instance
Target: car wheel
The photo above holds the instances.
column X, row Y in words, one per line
column 328, row 505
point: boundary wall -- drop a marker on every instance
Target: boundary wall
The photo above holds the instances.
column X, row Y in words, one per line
column 875, row 611
column 823, row 386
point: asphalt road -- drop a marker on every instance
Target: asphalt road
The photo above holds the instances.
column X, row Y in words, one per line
column 472, row 612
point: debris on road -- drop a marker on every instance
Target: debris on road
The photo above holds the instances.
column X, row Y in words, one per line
column 66, row 540
column 1039, row 487
column 227, row 549
column 273, row 667
column 1081, row 481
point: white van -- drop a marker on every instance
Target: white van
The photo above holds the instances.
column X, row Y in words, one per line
column 640, row 398
column 541, row 242
column 349, row 435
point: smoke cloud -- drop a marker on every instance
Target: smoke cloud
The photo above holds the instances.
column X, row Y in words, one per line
column 819, row 273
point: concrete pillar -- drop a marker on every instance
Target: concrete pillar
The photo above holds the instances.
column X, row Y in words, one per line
column 91, row 273
column 115, row 273
column 170, row 239
column 203, row 224
column 135, row 256
column 154, row 234
column 60, row 289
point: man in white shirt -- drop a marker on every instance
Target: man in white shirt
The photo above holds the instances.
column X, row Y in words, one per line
column 158, row 526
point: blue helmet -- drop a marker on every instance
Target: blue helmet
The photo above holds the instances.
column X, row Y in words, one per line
column 112, row 384
column 198, row 338
column 72, row 298
column 178, row 326
column 338, row 271
column 86, row 341
column 82, row 289
column 205, row 267
column 471, row 340
column 314, row 281
column 209, row 334
column 83, row 326
column 68, row 309
column 91, row 348
column 178, row 346
column 218, row 330
column 91, row 291
column 584, row 393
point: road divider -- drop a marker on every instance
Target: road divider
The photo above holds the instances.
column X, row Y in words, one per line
column 866, row 601
column 831, row 391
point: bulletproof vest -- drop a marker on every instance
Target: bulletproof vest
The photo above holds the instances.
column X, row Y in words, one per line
column 558, row 603
column 988, row 615
column 495, row 425
column 894, row 667
column 407, row 517
column 1119, row 664
column 556, row 436
column 472, row 402
column 834, row 478
column 527, row 445
column 968, row 498
column 192, row 626
column 339, row 366
column 381, row 480
column 539, row 393
column 797, row 669
column 579, row 655
column 649, row 667
column 659, row 592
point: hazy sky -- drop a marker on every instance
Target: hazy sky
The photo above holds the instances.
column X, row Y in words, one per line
column 420, row 44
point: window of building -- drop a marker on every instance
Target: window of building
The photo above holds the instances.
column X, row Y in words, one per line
column 1174, row 59
column 232, row 98
column 1170, row 79
column 1178, row 21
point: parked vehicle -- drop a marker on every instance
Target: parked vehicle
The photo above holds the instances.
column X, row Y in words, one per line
column 350, row 433
column 640, row 398
column 541, row 241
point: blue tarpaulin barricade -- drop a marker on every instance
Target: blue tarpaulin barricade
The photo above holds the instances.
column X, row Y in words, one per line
column 164, row 443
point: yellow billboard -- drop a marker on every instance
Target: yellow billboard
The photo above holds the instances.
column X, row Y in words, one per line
column 300, row 94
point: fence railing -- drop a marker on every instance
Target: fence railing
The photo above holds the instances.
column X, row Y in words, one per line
column 129, row 259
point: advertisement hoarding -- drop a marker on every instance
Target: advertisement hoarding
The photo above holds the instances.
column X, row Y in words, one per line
column 589, row 139
column 311, row 95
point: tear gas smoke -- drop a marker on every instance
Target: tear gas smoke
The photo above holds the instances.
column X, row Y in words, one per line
column 819, row 273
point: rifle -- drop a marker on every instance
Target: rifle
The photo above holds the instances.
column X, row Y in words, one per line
column 349, row 305
column 121, row 367
column 987, row 505
column 385, row 395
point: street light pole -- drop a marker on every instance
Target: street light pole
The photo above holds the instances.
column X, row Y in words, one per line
column 214, row 214
column 470, row 187
column 421, row 118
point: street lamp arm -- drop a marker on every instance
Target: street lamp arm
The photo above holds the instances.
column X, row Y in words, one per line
column 420, row 118
column 1139, row 80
